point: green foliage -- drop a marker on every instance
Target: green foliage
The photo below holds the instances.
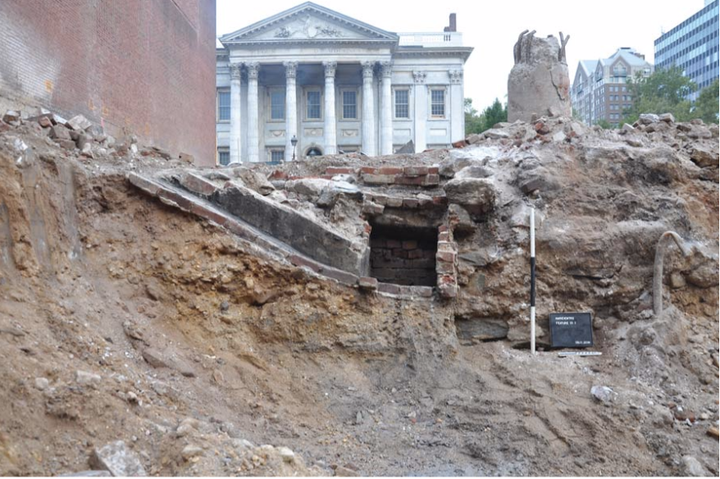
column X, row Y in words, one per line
column 473, row 120
column 707, row 105
column 662, row 92
column 604, row 124
column 477, row 123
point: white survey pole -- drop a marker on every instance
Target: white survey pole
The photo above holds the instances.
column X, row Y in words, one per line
column 532, row 279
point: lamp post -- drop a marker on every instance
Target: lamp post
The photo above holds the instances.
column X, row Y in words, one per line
column 294, row 141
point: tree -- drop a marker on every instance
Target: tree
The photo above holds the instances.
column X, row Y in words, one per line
column 664, row 91
column 477, row 123
column 706, row 105
column 495, row 113
column 604, row 124
column 473, row 121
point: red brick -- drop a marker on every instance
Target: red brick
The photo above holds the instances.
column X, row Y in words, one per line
column 442, row 228
column 389, row 170
column 394, row 244
column 433, row 170
column 446, row 279
column 368, row 228
column 440, row 200
column 371, row 179
column 197, row 184
column 444, row 236
column 460, row 144
column 278, row 175
column 410, row 203
column 339, row 275
column 208, row 213
column 333, row 170
column 415, row 254
column 146, row 68
column 446, row 256
column 368, row 169
column 448, row 290
column 302, row 261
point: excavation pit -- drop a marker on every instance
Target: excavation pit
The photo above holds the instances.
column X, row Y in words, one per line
column 403, row 255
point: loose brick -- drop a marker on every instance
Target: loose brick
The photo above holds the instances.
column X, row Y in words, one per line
column 440, row 200
column 433, row 170
column 410, row 203
column 197, row 184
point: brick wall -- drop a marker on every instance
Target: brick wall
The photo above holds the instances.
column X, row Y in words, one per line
column 145, row 67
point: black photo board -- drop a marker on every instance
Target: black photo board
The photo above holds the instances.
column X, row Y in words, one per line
column 571, row 330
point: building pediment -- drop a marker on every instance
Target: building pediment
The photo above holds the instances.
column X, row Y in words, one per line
column 308, row 23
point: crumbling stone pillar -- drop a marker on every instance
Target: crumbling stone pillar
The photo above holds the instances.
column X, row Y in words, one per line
column 539, row 83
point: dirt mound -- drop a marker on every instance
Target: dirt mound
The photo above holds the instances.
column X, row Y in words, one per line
column 124, row 319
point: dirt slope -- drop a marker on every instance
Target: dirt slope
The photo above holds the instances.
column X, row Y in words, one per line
column 124, row 319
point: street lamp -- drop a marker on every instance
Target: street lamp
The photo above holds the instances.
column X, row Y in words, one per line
column 293, row 141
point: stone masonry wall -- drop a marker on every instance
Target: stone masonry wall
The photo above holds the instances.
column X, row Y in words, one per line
column 145, row 67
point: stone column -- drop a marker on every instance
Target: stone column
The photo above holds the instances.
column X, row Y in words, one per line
column 386, row 116
column 368, row 110
column 235, row 138
column 290, row 107
column 457, row 106
column 253, row 70
column 421, row 113
column 329, row 129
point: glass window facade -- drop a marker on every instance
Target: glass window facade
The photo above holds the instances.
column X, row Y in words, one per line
column 692, row 46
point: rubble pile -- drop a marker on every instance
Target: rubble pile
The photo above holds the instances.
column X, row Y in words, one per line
column 372, row 321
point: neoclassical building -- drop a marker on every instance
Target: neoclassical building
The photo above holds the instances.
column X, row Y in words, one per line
column 334, row 84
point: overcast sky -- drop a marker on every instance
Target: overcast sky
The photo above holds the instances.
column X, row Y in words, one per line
column 596, row 29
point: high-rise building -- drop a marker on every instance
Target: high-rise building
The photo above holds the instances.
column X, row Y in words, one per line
column 692, row 46
column 599, row 90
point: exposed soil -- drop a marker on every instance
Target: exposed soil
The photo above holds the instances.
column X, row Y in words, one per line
column 195, row 341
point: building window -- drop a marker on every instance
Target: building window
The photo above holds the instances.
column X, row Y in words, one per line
column 437, row 102
column 313, row 105
column 223, row 156
column 402, row 103
column 223, row 105
column 349, row 105
column 277, row 155
column 277, row 105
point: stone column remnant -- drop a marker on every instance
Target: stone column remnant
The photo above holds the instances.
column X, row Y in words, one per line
column 539, row 83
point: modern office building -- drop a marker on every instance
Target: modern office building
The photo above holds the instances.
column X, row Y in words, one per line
column 599, row 90
column 692, row 46
column 311, row 81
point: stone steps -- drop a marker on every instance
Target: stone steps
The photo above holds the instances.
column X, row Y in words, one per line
column 191, row 201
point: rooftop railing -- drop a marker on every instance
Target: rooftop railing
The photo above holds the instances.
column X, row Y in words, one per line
column 429, row 39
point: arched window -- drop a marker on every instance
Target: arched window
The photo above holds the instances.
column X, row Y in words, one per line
column 314, row 151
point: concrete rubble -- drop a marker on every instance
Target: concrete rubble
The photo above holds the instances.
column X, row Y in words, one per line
column 160, row 319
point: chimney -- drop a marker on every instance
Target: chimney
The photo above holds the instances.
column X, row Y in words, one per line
column 453, row 24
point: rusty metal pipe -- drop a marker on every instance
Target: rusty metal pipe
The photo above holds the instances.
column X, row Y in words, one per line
column 658, row 267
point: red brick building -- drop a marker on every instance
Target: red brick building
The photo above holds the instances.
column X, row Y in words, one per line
column 145, row 67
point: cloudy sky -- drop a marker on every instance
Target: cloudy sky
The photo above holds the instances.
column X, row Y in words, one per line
column 596, row 28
